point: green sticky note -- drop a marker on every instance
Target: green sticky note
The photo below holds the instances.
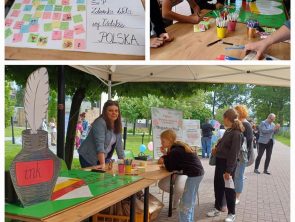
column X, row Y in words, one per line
column 77, row 18
column 8, row 32
column 64, row 25
column 58, row 8
column 33, row 38
column 67, row 8
column 27, row 17
column 47, row 27
column 40, row 8
column 81, row 8
column 51, row 2
column 17, row 6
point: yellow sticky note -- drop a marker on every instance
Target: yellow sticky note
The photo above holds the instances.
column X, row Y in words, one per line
column 56, row 24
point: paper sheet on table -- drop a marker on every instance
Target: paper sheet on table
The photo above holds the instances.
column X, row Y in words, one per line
column 229, row 183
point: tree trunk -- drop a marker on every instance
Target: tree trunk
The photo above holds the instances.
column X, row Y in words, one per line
column 77, row 99
column 150, row 129
column 134, row 126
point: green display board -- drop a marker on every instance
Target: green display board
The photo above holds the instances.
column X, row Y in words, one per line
column 98, row 183
column 268, row 13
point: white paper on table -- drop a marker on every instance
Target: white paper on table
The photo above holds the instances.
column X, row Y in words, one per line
column 229, row 183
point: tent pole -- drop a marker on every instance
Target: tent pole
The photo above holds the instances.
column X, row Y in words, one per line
column 110, row 87
column 60, row 148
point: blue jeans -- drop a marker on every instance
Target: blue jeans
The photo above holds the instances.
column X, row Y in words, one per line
column 206, row 146
column 239, row 177
column 188, row 199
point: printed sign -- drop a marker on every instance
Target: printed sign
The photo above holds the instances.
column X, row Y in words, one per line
column 192, row 132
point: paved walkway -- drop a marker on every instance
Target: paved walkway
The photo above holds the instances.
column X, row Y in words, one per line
column 265, row 198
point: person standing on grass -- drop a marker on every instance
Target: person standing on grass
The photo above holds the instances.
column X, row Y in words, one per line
column 206, row 139
column 226, row 153
column 267, row 129
column 178, row 156
column 248, row 136
column 52, row 131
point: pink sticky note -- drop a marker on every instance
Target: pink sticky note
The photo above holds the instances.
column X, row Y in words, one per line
column 56, row 16
column 67, row 17
column 65, row 2
column 46, row 15
column 15, row 13
column 79, row 29
column 56, row 35
column 17, row 37
column 8, row 22
column 18, row 24
column 34, row 28
column 79, row 44
column 68, row 34
column 26, row 1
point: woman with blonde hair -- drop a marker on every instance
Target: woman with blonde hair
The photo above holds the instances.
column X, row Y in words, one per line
column 226, row 153
column 248, row 136
column 180, row 156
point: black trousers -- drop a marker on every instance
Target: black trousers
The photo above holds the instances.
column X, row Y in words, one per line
column 220, row 189
column 261, row 148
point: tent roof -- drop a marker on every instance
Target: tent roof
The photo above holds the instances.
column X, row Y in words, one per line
column 271, row 75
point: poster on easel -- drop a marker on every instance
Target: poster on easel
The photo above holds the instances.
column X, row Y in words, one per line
column 192, row 132
column 100, row 26
column 163, row 119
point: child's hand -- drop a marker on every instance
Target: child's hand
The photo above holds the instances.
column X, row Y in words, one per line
column 163, row 150
column 166, row 37
column 226, row 176
column 219, row 6
column 156, row 42
column 194, row 19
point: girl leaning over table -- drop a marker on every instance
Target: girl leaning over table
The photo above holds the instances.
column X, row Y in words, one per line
column 104, row 137
column 226, row 153
column 181, row 157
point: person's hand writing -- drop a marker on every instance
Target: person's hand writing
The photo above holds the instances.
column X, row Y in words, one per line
column 259, row 47
column 99, row 167
column 194, row 19
column 166, row 37
column 156, row 42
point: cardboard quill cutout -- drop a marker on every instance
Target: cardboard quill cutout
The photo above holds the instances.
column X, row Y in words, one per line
column 35, row 169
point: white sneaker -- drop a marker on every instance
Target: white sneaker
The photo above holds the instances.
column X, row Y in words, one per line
column 230, row 218
column 213, row 213
column 237, row 201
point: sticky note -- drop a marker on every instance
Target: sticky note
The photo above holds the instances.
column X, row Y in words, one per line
column 56, row 16
column 81, row 8
column 64, row 25
column 51, row 2
column 17, row 6
column 42, row 41
column 68, row 34
column 8, row 32
column 17, row 37
column 47, row 15
column 34, row 21
column 27, row 17
column 79, row 29
column 36, row 3
column 8, row 22
column 58, row 8
column 67, row 43
column 56, row 35
column 25, row 29
column 38, row 14
column 79, row 44
column 47, row 27
column 56, row 24
column 80, row 1
column 65, row 2
column 33, row 38
column 199, row 28
column 15, row 13
column 18, row 24
column 26, row 1
column 67, row 17
column 48, row 8
column 67, row 8
column 40, row 8
column 34, row 28
column 77, row 18
column 28, row 8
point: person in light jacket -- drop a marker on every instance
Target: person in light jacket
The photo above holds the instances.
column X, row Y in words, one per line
column 103, row 139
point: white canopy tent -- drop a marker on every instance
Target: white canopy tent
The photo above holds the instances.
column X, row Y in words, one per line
column 268, row 75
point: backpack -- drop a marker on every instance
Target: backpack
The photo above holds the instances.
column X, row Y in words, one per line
column 243, row 154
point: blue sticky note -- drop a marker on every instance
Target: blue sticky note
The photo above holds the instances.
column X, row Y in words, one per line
column 80, row 1
column 28, row 8
column 48, row 8
column 25, row 29
column 33, row 21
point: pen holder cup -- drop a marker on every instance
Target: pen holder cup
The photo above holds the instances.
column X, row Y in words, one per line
column 251, row 32
column 221, row 32
column 128, row 169
column 231, row 26
column 121, row 168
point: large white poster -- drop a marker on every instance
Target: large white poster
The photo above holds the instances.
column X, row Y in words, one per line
column 102, row 26
column 163, row 119
column 192, row 132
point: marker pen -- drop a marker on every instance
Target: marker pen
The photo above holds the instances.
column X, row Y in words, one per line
column 224, row 57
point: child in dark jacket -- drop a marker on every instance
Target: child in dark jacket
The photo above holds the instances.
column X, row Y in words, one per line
column 179, row 156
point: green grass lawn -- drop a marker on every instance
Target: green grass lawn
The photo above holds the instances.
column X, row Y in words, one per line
column 283, row 140
column 17, row 131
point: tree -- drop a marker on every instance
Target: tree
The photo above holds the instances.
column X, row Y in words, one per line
column 9, row 103
column 219, row 114
column 19, row 97
column 52, row 111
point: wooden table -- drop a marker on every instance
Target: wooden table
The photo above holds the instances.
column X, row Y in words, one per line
column 50, row 54
column 188, row 45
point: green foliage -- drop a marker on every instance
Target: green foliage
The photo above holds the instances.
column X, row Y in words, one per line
column 52, row 106
column 9, row 103
column 19, row 97
column 219, row 114
column 17, row 131
column 283, row 140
